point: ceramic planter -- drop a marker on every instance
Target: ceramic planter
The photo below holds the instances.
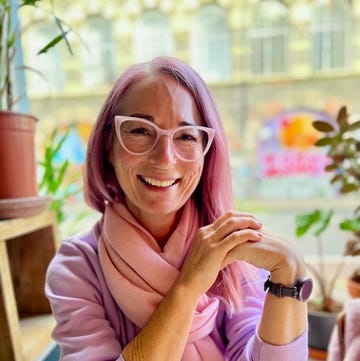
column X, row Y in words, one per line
column 17, row 156
column 321, row 325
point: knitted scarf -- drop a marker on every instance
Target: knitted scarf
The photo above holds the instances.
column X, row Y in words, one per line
column 139, row 274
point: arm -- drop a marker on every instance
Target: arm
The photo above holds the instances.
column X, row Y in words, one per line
column 242, row 332
column 283, row 319
column 73, row 287
column 234, row 236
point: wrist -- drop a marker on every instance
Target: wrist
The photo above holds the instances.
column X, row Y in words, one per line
column 289, row 273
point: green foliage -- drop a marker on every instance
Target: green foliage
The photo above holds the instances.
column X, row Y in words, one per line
column 8, row 42
column 343, row 151
column 318, row 220
column 53, row 181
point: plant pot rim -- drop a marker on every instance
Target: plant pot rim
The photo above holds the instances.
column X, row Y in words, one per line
column 16, row 113
column 323, row 313
column 354, row 280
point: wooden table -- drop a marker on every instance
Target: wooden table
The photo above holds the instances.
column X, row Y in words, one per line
column 27, row 245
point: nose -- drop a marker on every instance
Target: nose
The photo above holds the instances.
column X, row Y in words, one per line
column 163, row 152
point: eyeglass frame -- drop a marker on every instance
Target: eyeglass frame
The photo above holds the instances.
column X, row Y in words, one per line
column 119, row 119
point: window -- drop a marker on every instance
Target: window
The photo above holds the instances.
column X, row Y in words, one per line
column 153, row 37
column 210, row 43
column 330, row 36
column 46, row 74
column 269, row 39
column 97, row 56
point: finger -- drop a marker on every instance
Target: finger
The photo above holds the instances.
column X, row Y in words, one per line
column 230, row 214
column 233, row 240
column 233, row 222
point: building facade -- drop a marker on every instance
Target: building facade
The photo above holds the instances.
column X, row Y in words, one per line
column 273, row 66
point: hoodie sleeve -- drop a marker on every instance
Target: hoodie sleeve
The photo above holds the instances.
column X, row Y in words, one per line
column 244, row 342
column 74, row 288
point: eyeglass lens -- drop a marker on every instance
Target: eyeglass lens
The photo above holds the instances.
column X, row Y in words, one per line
column 139, row 137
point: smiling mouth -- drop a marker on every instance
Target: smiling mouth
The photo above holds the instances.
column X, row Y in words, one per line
column 159, row 183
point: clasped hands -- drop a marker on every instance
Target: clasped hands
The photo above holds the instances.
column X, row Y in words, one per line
column 239, row 236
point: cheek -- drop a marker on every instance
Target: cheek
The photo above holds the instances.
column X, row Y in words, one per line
column 122, row 162
column 120, row 158
column 194, row 173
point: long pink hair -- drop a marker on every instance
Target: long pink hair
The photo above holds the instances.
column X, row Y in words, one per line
column 213, row 194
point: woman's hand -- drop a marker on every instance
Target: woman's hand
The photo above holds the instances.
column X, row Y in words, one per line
column 239, row 236
column 274, row 254
column 214, row 246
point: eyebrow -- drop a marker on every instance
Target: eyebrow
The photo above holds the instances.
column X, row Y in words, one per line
column 151, row 118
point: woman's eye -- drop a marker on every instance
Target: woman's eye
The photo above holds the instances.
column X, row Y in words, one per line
column 188, row 137
column 140, row 131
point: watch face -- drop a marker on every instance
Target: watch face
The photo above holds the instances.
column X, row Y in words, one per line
column 306, row 287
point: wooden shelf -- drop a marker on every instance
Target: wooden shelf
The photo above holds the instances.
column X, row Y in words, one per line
column 27, row 245
column 35, row 335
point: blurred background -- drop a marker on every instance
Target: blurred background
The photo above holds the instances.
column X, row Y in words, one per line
column 273, row 67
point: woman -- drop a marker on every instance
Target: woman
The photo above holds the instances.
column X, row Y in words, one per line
column 170, row 272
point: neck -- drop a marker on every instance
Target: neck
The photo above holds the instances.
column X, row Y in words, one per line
column 161, row 227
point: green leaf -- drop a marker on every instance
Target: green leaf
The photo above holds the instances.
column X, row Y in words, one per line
column 352, row 225
column 336, row 178
column 63, row 33
column 322, row 126
column 354, row 126
column 318, row 220
column 349, row 187
column 51, row 44
column 324, row 141
column 330, row 167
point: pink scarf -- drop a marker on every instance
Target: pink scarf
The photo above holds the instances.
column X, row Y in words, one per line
column 139, row 274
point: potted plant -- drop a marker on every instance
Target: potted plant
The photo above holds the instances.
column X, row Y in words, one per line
column 343, row 151
column 18, row 181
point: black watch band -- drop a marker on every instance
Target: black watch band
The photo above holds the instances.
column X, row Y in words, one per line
column 301, row 290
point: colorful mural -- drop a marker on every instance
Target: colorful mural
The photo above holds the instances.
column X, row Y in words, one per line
column 289, row 166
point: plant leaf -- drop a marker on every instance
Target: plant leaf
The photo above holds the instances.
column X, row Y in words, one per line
column 354, row 126
column 63, row 33
column 324, row 141
column 342, row 116
column 322, row 224
column 51, row 44
column 322, row 126
column 352, row 225
column 318, row 219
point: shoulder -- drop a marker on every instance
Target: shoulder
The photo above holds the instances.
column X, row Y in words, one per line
column 76, row 261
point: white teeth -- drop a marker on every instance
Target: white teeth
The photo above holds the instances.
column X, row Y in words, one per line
column 159, row 183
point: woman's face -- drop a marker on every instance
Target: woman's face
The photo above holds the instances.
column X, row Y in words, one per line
column 158, row 183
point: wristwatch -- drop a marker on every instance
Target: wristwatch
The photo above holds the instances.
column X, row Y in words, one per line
column 301, row 290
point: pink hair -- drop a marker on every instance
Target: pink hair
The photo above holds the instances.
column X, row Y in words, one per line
column 213, row 194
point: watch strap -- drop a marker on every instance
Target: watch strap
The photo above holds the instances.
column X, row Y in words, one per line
column 280, row 290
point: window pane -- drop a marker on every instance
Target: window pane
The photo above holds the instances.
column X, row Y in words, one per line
column 330, row 31
column 48, row 75
column 268, row 38
column 210, row 43
column 153, row 36
column 97, row 57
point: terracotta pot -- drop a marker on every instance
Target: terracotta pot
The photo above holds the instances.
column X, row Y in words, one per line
column 353, row 286
column 17, row 155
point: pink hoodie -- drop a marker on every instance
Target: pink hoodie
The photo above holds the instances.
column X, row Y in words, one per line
column 90, row 326
column 345, row 340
